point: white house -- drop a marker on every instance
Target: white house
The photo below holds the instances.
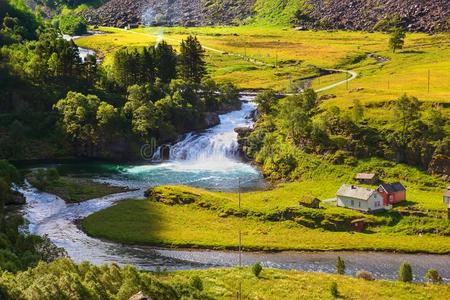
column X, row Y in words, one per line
column 361, row 199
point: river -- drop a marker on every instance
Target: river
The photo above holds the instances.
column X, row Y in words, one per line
column 207, row 159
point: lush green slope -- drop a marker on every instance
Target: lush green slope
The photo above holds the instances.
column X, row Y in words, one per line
column 273, row 220
column 281, row 12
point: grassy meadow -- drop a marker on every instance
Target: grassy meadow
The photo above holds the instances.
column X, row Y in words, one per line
column 290, row 56
column 279, row 284
column 273, row 219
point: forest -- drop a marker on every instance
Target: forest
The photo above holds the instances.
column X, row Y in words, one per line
column 141, row 97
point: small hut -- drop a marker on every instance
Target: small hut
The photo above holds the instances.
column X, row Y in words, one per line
column 358, row 225
column 310, row 202
column 366, row 178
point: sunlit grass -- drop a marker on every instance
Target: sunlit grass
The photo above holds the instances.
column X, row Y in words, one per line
column 279, row 284
column 405, row 72
column 151, row 223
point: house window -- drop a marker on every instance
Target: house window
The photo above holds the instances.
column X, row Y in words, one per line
column 359, row 203
column 352, row 202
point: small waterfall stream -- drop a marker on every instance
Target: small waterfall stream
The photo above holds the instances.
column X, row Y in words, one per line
column 217, row 144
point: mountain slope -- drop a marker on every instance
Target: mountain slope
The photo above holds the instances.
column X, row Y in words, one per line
column 414, row 15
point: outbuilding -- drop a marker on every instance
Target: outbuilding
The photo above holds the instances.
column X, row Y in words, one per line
column 366, row 178
column 358, row 225
column 359, row 198
column 392, row 193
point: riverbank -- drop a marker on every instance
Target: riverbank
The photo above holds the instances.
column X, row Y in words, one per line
column 73, row 189
column 183, row 217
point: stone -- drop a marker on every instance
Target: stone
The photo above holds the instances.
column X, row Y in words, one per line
column 140, row 296
column 211, row 119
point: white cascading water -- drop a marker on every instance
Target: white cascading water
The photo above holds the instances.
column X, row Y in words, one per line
column 217, row 145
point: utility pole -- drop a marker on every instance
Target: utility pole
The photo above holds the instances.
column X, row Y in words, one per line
column 239, row 293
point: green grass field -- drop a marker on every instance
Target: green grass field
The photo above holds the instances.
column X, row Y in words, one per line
column 295, row 52
column 149, row 223
column 278, row 284
column 214, row 217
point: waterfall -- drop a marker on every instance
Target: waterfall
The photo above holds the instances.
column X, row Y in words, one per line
column 217, row 144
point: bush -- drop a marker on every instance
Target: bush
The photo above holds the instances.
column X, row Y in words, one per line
column 256, row 269
column 366, row 275
column 433, row 276
column 334, row 290
column 405, row 273
column 197, row 283
column 72, row 25
column 340, row 266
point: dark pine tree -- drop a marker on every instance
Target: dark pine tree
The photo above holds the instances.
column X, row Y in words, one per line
column 192, row 60
column 165, row 62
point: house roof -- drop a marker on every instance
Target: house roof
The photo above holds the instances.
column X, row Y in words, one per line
column 355, row 192
column 393, row 187
column 365, row 176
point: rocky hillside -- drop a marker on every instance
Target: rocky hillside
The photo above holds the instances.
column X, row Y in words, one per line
column 170, row 12
column 414, row 15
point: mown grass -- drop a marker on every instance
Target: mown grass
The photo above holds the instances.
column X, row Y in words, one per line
column 279, row 284
column 152, row 223
column 75, row 190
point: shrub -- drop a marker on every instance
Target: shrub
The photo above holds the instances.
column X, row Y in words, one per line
column 334, row 290
column 197, row 283
column 433, row 276
column 256, row 269
column 72, row 25
column 405, row 273
column 340, row 266
column 366, row 275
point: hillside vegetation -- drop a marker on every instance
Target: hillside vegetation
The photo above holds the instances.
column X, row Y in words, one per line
column 65, row 280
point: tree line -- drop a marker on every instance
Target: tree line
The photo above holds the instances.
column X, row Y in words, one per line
column 414, row 133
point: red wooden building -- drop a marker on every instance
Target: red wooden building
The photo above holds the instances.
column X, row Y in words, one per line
column 392, row 193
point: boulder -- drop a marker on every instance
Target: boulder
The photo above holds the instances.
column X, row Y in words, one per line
column 211, row 119
column 140, row 296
